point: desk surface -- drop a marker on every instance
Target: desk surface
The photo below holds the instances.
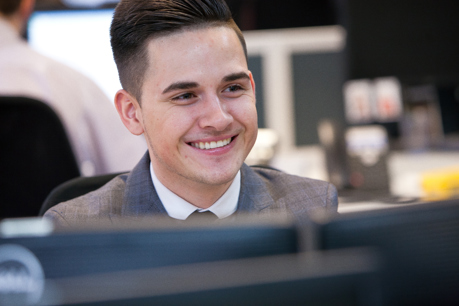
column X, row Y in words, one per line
column 351, row 200
column 344, row 208
column 405, row 170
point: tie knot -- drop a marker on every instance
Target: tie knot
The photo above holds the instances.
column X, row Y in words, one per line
column 206, row 216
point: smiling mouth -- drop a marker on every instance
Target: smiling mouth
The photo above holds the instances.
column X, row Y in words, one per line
column 212, row 144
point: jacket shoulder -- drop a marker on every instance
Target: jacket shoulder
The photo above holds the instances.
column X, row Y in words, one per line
column 98, row 204
column 298, row 193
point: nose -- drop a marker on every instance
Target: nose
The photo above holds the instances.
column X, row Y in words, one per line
column 215, row 115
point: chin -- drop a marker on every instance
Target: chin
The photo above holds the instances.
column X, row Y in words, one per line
column 220, row 177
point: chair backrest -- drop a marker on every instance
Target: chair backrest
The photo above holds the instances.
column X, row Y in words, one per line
column 35, row 155
column 73, row 189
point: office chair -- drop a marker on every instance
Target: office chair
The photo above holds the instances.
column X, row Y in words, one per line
column 74, row 188
column 35, row 155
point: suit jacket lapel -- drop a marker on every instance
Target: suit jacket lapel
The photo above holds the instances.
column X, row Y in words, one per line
column 254, row 195
column 140, row 197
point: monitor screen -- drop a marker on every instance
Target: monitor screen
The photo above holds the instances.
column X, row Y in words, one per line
column 154, row 242
column 79, row 39
column 420, row 244
column 317, row 278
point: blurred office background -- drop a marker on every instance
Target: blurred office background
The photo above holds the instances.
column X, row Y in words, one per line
column 361, row 93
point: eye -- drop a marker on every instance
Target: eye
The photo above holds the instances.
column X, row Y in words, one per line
column 184, row 97
column 233, row 88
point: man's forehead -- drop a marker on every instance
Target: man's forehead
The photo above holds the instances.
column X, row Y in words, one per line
column 196, row 48
column 206, row 32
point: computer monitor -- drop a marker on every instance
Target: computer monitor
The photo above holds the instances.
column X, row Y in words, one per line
column 80, row 39
column 154, row 242
column 348, row 277
column 420, row 245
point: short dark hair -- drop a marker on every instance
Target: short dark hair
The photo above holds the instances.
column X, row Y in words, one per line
column 8, row 7
column 136, row 22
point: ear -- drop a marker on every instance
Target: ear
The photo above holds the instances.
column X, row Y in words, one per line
column 129, row 111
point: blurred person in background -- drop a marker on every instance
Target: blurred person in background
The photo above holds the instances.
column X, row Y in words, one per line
column 100, row 142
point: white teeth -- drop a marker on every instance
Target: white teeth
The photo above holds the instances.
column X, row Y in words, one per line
column 211, row 145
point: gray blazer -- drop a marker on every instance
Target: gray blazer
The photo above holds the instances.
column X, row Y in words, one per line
column 134, row 195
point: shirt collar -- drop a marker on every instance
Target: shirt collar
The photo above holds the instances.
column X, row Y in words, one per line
column 178, row 208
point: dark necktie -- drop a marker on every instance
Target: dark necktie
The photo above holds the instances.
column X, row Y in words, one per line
column 205, row 216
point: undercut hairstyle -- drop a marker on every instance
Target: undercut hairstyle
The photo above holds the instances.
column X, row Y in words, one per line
column 9, row 7
column 136, row 22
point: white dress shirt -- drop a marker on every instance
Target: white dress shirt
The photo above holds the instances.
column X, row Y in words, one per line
column 180, row 209
column 99, row 139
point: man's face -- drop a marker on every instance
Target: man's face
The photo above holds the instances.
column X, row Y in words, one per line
column 198, row 108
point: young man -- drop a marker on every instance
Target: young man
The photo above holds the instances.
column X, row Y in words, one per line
column 187, row 88
column 100, row 142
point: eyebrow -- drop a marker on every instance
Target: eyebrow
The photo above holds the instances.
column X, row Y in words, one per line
column 236, row 76
column 180, row 86
column 190, row 85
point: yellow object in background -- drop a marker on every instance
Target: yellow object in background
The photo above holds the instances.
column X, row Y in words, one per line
column 440, row 184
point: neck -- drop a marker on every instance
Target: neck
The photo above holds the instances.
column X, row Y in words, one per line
column 198, row 194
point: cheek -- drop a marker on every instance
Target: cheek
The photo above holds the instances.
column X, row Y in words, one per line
column 166, row 128
column 161, row 119
column 246, row 114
